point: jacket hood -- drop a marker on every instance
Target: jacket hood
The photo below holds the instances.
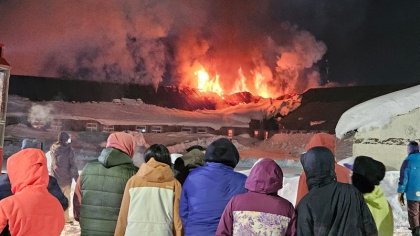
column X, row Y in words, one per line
column 376, row 198
column 154, row 171
column 26, row 168
column 121, row 141
column 265, row 177
column 222, row 151
column 113, row 157
column 318, row 164
column 322, row 140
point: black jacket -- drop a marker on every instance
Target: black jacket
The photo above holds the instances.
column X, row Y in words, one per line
column 330, row 208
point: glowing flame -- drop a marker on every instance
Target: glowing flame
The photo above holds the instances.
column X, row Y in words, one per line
column 261, row 85
column 207, row 84
column 257, row 83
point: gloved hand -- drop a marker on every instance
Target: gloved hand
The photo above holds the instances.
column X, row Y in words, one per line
column 401, row 199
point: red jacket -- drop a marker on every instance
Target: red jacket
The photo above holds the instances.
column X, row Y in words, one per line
column 342, row 173
column 32, row 210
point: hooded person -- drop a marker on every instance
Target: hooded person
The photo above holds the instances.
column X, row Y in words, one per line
column 100, row 188
column 150, row 205
column 190, row 160
column 330, row 208
column 63, row 165
column 367, row 174
column 260, row 211
column 31, row 210
column 208, row 188
column 342, row 173
column 409, row 184
column 53, row 188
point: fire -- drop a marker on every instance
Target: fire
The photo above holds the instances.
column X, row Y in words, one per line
column 256, row 83
column 207, row 84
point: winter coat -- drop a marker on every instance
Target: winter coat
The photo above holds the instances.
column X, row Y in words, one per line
column 343, row 174
column 205, row 193
column 381, row 211
column 31, row 210
column 63, row 164
column 260, row 211
column 330, row 208
column 410, row 177
column 151, row 202
column 53, row 188
column 100, row 190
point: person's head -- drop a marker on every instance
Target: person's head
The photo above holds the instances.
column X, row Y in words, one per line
column 318, row 164
column 265, row 177
column 322, row 140
column 222, row 151
column 367, row 173
column 64, row 138
column 158, row 152
column 412, row 147
column 198, row 147
column 30, row 143
column 121, row 141
column 191, row 159
column 27, row 167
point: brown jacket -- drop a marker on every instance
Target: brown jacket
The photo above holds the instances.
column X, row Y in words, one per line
column 151, row 202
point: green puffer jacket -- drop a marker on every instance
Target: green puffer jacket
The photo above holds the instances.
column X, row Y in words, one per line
column 102, row 185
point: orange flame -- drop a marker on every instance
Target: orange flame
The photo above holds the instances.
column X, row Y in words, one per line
column 257, row 83
column 207, row 84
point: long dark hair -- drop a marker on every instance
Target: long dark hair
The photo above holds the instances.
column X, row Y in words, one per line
column 159, row 152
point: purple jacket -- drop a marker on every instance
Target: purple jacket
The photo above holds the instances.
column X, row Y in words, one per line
column 260, row 211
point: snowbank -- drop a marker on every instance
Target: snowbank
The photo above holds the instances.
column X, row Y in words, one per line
column 377, row 112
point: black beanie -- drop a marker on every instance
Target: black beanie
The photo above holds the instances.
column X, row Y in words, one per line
column 222, row 151
column 63, row 137
column 367, row 173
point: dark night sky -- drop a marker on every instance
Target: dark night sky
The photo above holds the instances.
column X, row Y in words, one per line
column 367, row 41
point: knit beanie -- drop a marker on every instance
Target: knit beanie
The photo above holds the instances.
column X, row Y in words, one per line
column 367, row 173
column 63, row 137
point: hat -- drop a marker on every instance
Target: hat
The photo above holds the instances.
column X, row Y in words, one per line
column 30, row 143
column 63, row 137
column 367, row 172
column 222, row 151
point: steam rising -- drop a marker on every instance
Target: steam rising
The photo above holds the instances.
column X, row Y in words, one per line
column 40, row 115
column 143, row 41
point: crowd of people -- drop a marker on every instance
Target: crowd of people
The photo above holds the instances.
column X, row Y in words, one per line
column 200, row 194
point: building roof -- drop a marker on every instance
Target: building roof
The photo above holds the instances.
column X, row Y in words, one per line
column 321, row 108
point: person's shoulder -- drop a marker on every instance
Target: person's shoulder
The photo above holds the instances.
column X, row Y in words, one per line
column 238, row 175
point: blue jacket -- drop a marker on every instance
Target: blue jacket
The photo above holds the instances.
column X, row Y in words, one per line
column 410, row 177
column 205, row 193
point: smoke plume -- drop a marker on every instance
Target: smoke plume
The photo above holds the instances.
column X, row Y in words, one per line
column 133, row 41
